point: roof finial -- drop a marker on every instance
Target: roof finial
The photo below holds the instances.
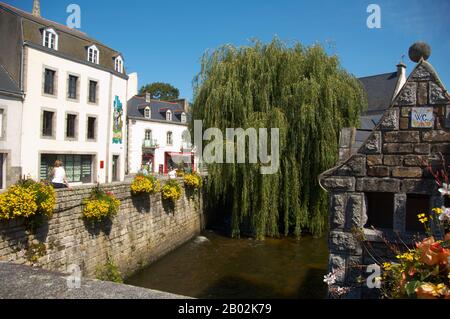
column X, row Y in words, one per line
column 418, row 51
column 36, row 8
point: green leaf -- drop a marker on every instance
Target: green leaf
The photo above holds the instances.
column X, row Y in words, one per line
column 411, row 287
column 300, row 90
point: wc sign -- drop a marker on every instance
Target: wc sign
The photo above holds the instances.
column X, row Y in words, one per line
column 422, row 117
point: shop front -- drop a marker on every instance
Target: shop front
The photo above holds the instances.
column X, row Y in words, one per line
column 173, row 160
column 79, row 168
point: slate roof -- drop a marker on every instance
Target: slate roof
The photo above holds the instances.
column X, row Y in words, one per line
column 7, row 85
column 71, row 42
column 137, row 105
column 380, row 91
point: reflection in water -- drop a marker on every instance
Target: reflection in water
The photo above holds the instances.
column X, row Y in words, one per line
column 214, row 266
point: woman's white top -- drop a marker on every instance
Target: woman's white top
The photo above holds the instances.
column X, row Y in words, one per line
column 59, row 175
column 172, row 174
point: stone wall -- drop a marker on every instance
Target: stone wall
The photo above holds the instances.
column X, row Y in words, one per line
column 393, row 160
column 144, row 230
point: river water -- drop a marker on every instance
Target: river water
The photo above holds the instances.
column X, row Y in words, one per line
column 215, row 266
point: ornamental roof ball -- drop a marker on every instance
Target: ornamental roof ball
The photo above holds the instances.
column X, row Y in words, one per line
column 419, row 50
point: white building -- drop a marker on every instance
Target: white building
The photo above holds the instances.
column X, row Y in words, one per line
column 157, row 135
column 74, row 107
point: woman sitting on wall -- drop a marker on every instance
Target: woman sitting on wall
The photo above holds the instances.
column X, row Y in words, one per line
column 59, row 176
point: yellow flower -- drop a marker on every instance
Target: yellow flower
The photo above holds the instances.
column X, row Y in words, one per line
column 422, row 218
column 193, row 180
column 431, row 291
column 387, row 266
column 171, row 191
column 438, row 211
column 100, row 205
column 144, row 184
column 406, row 256
column 26, row 199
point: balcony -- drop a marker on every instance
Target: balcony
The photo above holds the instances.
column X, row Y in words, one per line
column 150, row 144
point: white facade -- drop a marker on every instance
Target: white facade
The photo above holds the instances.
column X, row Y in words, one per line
column 63, row 96
column 158, row 145
column 101, row 149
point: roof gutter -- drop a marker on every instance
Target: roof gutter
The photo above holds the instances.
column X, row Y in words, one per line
column 19, row 95
column 67, row 57
column 155, row 121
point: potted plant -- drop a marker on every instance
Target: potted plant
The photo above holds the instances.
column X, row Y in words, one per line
column 100, row 205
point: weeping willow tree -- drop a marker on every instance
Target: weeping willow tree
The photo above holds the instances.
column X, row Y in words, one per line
column 309, row 97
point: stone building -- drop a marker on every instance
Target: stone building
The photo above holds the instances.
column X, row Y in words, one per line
column 380, row 90
column 378, row 191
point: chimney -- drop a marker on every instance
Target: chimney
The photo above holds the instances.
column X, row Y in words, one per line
column 36, row 8
column 184, row 104
column 147, row 97
column 401, row 78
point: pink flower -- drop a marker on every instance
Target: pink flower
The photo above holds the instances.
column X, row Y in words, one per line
column 445, row 190
column 445, row 215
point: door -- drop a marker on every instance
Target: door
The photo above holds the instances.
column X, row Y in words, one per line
column 115, row 168
column 148, row 161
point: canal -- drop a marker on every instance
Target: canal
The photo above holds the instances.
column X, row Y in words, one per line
column 213, row 266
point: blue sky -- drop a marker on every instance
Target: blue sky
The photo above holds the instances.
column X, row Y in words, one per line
column 164, row 40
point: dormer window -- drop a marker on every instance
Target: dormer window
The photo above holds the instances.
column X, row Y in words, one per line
column 169, row 116
column 183, row 117
column 93, row 55
column 50, row 39
column 147, row 113
column 118, row 64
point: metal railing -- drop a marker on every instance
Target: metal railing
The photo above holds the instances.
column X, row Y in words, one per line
column 150, row 144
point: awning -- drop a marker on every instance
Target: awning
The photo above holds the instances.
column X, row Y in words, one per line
column 179, row 158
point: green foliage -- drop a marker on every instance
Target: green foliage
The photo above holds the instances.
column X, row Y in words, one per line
column 161, row 91
column 109, row 272
column 309, row 97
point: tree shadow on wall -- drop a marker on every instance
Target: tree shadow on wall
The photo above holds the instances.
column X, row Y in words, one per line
column 95, row 228
column 142, row 203
column 19, row 233
column 38, row 227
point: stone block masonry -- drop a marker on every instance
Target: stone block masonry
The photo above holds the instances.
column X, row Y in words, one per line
column 379, row 186
column 143, row 231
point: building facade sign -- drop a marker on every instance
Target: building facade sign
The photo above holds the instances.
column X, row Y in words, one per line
column 422, row 117
column 118, row 121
